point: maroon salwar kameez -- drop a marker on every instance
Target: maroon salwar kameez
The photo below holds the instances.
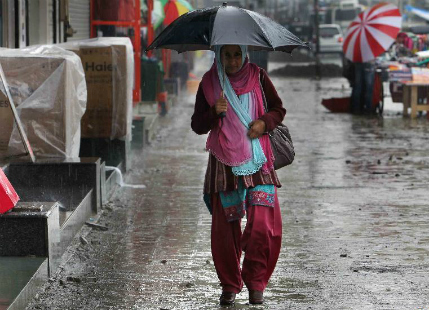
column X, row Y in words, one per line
column 261, row 238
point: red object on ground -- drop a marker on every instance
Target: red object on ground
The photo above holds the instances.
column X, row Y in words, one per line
column 162, row 96
column 337, row 105
column 343, row 105
column 8, row 196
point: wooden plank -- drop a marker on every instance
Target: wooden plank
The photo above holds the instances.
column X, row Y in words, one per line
column 406, row 99
column 414, row 100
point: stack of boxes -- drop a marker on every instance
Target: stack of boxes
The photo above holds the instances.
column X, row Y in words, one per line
column 67, row 93
column 108, row 64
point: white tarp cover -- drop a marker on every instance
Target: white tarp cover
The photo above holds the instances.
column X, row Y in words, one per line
column 122, row 79
column 48, row 87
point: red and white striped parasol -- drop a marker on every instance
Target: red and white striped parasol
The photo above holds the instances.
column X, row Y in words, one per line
column 372, row 32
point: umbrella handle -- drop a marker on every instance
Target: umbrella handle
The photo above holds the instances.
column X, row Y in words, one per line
column 223, row 114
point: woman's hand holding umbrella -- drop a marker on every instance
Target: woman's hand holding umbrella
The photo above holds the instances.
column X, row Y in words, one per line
column 221, row 105
column 256, row 128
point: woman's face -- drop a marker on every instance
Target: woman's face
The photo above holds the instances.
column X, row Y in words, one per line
column 231, row 58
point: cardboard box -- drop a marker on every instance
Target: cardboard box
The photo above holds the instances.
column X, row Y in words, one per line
column 107, row 78
column 98, row 67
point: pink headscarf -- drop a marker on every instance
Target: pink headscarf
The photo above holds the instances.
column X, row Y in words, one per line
column 229, row 143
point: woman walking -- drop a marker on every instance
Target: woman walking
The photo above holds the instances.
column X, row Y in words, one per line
column 240, row 178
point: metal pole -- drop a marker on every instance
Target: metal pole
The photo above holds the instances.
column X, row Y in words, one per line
column 137, row 52
column 150, row 32
column 316, row 28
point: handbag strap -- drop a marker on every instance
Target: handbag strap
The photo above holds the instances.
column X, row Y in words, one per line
column 263, row 93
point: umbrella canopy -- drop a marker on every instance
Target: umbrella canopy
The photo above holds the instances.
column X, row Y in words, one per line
column 175, row 8
column 372, row 32
column 204, row 28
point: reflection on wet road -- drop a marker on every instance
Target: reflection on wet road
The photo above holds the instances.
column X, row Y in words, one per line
column 354, row 206
column 324, row 58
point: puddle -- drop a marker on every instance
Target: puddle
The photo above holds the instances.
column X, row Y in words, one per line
column 120, row 179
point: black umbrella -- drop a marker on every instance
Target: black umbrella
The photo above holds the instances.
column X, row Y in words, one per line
column 220, row 25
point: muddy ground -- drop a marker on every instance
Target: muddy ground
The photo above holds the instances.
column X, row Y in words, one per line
column 302, row 64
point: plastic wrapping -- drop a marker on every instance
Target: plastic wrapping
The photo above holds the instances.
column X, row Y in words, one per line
column 47, row 84
column 108, row 64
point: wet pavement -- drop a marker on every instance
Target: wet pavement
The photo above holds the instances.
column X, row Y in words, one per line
column 354, row 205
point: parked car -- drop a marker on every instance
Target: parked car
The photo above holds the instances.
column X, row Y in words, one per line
column 330, row 39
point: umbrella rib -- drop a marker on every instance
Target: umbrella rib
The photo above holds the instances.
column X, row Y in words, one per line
column 389, row 30
column 366, row 50
column 385, row 39
column 382, row 10
column 262, row 29
column 349, row 37
column 388, row 20
column 376, row 47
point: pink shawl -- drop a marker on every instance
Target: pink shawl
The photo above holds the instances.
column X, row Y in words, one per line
column 229, row 142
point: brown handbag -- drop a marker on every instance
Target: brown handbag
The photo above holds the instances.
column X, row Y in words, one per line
column 281, row 142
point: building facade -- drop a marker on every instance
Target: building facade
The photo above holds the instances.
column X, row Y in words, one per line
column 30, row 22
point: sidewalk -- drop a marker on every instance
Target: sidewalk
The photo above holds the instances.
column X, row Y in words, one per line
column 354, row 207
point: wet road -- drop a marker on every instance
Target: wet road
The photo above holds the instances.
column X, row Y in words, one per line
column 354, row 205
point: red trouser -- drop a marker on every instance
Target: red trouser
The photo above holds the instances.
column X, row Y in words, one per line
column 260, row 240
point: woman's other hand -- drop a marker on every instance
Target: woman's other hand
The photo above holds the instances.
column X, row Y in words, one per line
column 257, row 129
column 221, row 105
